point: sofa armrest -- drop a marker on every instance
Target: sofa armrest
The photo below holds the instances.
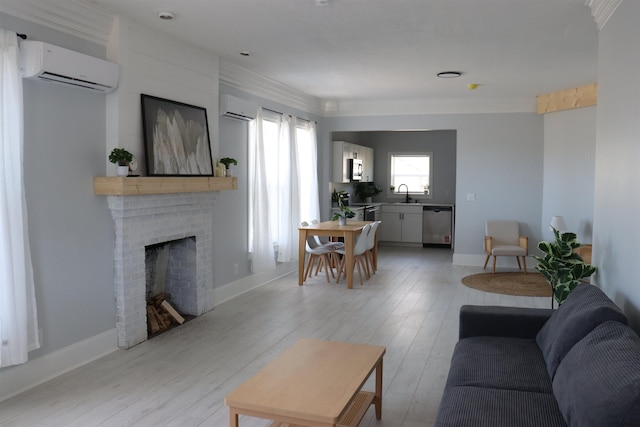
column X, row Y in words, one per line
column 517, row 322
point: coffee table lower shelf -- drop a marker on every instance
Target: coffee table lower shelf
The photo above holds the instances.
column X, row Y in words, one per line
column 351, row 417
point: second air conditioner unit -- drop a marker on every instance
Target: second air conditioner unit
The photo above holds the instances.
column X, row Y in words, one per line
column 236, row 108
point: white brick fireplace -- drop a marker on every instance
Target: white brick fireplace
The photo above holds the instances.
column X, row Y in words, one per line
column 144, row 220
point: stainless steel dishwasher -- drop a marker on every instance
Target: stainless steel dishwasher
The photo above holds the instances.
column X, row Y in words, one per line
column 437, row 226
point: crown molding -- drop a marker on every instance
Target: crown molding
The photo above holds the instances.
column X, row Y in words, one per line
column 72, row 17
column 378, row 107
column 601, row 10
column 89, row 22
column 248, row 81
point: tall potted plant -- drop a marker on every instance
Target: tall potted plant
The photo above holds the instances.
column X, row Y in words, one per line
column 121, row 158
column 561, row 266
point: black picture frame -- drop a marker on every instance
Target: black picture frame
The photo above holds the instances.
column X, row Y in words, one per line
column 176, row 138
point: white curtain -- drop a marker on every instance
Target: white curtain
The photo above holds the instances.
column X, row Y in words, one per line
column 260, row 239
column 283, row 186
column 288, row 216
column 18, row 315
column 307, row 147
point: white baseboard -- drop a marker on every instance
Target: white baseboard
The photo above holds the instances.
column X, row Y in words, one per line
column 240, row 286
column 16, row 379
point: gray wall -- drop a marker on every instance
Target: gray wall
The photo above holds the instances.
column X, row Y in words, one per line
column 442, row 143
column 499, row 159
column 70, row 228
column 617, row 203
column 569, row 171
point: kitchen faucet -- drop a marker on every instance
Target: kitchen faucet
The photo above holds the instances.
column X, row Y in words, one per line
column 406, row 200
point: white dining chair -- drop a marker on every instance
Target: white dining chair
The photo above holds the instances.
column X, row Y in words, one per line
column 371, row 243
column 359, row 249
column 319, row 253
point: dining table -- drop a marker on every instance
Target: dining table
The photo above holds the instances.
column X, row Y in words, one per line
column 333, row 229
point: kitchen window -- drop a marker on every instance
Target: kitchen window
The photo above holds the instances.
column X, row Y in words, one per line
column 412, row 170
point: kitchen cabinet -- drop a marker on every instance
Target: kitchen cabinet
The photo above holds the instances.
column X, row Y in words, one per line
column 366, row 154
column 342, row 152
column 401, row 223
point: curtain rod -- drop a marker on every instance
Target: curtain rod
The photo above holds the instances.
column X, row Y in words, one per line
column 278, row 112
column 22, row 36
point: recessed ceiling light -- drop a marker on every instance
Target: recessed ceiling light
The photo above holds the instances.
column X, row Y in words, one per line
column 165, row 15
column 449, row 74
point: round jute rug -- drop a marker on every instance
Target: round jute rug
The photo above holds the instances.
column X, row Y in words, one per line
column 511, row 283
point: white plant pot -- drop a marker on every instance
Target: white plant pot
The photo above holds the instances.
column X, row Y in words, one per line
column 342, row 221
column 122, row 170
column 229, row 171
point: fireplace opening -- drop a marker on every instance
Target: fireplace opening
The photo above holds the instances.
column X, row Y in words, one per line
column 171, row 284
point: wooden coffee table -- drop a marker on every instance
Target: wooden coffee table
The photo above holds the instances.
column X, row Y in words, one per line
column 314, row 383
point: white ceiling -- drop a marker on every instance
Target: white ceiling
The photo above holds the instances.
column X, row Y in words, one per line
column 390, row 49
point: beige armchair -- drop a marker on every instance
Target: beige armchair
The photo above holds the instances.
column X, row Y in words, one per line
column 502, row 238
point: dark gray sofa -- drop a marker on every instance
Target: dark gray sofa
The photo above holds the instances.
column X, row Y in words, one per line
column 578, row 365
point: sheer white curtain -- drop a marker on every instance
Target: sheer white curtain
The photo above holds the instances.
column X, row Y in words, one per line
column 18, row 316
column 288, row 193
column 307, row 148
column 283, row 186
column 260, row 239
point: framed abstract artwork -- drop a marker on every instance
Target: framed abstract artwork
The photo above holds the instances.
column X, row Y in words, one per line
column 176, row 138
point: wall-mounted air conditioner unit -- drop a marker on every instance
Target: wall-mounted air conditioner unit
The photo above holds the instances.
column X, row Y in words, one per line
column 237, row 108
column 42, row 61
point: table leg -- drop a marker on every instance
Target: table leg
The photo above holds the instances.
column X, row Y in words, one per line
column 348, row 245
column 302, row 244
column 233, row 418
column 378, row 399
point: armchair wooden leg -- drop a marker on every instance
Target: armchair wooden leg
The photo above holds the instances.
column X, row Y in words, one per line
column 524, row 263
column 494, row 264
column 519, row 266
column 486, row 261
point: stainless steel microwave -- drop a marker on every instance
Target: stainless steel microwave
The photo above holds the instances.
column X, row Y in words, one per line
column 355, row 169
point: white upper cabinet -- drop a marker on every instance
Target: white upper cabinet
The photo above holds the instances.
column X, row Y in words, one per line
column 342, row 152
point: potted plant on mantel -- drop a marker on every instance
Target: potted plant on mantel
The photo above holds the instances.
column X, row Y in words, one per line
column 121, row 158
column 561, row 266
column 344, row 213
column 227, row 162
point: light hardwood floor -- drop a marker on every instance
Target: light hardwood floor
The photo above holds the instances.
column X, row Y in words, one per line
column 181, row 377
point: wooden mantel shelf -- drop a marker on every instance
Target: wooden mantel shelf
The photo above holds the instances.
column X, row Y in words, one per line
column 126, row 186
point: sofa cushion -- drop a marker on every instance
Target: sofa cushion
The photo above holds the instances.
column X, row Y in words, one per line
column 598, row 381
column 499, row 362
column 585, row 308
column 491, row 407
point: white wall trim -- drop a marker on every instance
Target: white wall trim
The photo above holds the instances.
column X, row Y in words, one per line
column 231, row 290
column 74, row 17
column 18, row 379
column 240, row 78
column 376, row 107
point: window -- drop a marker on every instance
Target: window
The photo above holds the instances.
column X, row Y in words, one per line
column 281, row 157
column 283, row 186
column 412, row 170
